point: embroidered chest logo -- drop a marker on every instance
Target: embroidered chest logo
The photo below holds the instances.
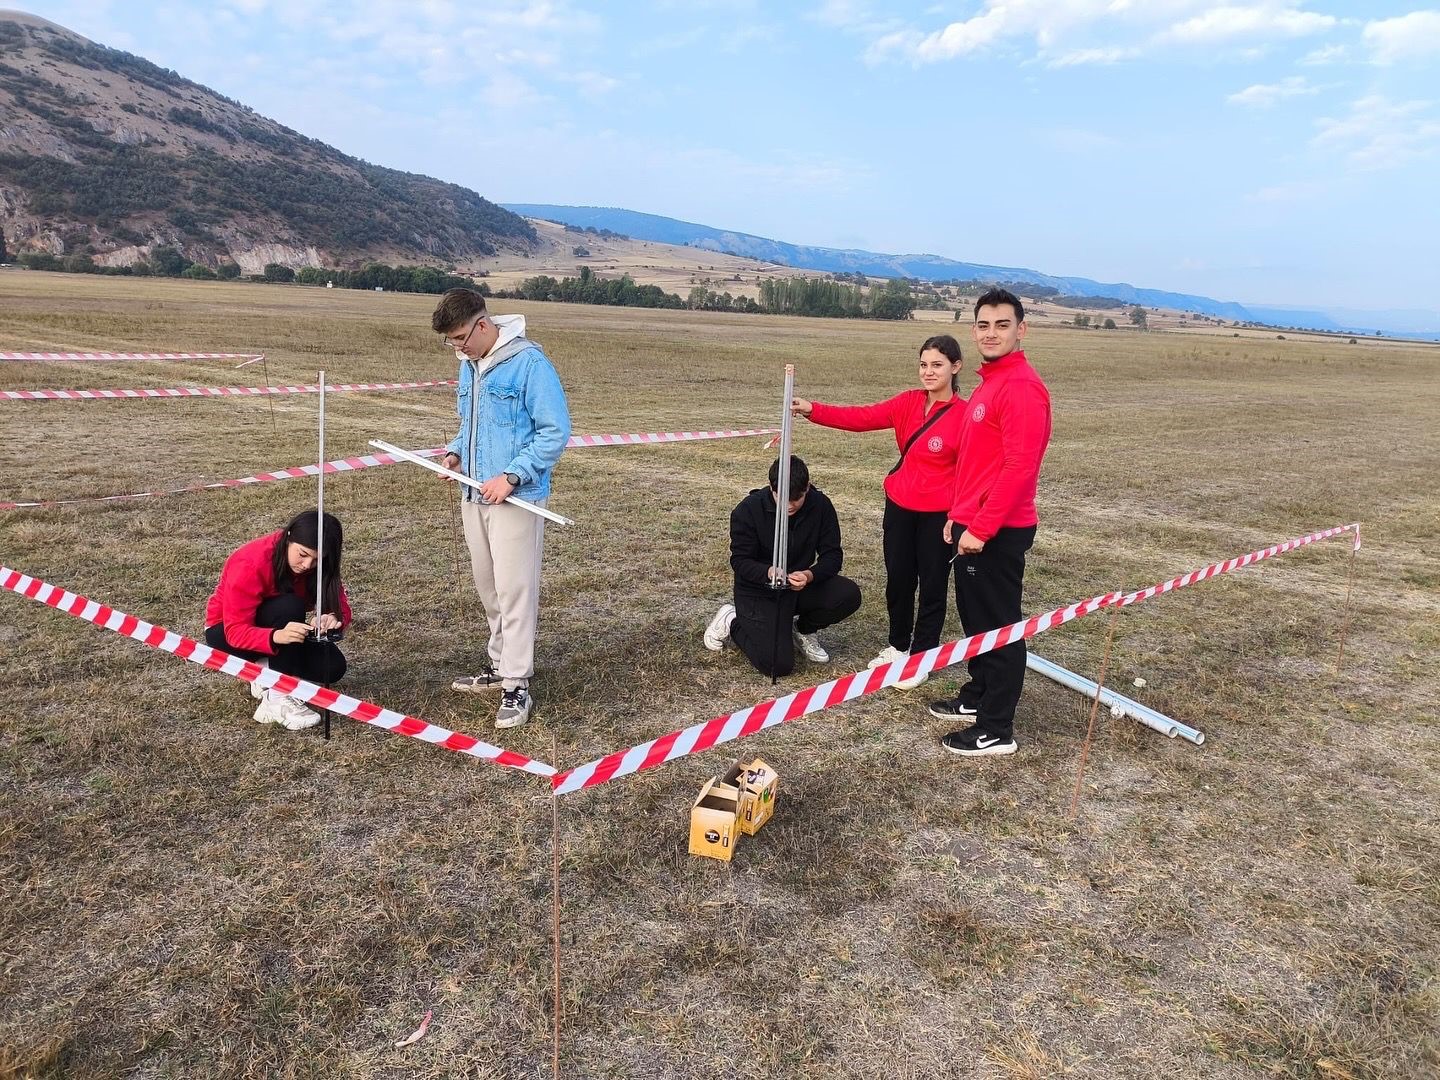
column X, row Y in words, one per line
column 936, row 444
column 979, row 413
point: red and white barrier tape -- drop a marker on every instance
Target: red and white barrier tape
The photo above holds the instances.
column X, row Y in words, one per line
column 209, row 391
column 1215, row 569
column 736, row 725
column 157, row 637
column 32, row 356
column 368, row 461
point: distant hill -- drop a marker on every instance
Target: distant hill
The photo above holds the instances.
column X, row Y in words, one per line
column 835, row 260
column 105, row 153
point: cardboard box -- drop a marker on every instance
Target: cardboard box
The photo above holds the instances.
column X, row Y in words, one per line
column 758, row 786
column 714, row 826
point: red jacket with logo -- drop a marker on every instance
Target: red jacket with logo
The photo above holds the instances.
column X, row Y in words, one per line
column 1003, row 436
column 246, row 581
column 925, row 480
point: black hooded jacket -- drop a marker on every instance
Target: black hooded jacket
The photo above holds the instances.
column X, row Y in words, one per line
column 814, row 540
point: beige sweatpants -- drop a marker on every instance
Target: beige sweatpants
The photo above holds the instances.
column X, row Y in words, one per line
column 505, row 545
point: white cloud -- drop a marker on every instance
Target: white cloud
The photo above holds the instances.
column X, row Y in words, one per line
column 1230, row 21
column 1408, row 37
column 593, row 83
column 1380, row 134
column 1326, row 54
column 1288, row 193
column 1267, row 95
column 1058, row 29
column 1112, row 55
column 844, row 14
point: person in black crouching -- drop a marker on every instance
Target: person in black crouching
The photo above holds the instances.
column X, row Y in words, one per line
column 769, row 623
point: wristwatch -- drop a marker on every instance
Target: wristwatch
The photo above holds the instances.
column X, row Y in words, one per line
column 513, row 478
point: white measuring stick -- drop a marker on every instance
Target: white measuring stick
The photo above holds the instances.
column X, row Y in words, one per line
column 780, row 547
column 470, row 481
column 320, row 521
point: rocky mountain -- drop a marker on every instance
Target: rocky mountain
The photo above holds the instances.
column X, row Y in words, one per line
column 104, row 153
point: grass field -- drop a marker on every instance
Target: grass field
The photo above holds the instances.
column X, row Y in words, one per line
column 184, row 893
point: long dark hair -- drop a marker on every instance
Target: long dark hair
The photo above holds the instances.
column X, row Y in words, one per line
column 944, row 343
column 304, row 530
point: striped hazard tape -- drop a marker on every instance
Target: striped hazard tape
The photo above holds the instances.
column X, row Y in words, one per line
column 157, row 637
column 210, row 391
column 118, row 356
column 691, row 740
column 736, row 725
column 368, row 461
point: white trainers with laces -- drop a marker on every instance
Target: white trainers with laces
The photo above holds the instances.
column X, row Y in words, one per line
column 719, row 629
column 290, row 713
column 809, row 644
column 887, row 654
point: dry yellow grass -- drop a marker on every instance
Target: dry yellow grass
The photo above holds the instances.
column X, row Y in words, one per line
column 183, row 893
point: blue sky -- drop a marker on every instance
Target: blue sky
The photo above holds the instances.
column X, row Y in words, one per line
column 1280, row 151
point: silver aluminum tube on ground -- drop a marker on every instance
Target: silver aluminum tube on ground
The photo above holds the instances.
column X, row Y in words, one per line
column 780, row 550
column 320, row 522
column 1119, row 704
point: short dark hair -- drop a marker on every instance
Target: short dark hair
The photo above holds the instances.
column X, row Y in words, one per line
column 456, row 308
column 799, row 476
column 997, row 296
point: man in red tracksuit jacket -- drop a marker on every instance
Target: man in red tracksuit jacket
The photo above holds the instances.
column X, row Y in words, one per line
column 992, row 522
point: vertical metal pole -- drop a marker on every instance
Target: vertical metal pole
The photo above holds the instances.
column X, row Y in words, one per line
column 780, row 547
column 1349, row 582
column 1094, row 708
column 555, row 908
column 320, row 519
column 269, row 398
column 320, row 538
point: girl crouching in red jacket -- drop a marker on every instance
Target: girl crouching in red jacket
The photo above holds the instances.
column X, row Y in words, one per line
column 259, row 612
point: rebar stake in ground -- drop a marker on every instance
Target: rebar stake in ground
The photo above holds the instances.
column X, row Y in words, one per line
column 1094, row 709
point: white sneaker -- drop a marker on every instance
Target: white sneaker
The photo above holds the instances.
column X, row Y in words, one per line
column 912, row 682
column 719, row 628
column 514, row 708
column 290, row 713
column 256, row 690
column 887, row 654
column 809, row 644
column 264, row 712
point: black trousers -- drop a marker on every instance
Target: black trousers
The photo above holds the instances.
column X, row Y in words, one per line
column 987, row 595
column 916, row 554
column 762, row 623
column 314, row 661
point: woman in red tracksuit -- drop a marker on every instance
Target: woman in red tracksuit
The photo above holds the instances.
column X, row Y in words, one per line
column 926, row 422
column 259, row 612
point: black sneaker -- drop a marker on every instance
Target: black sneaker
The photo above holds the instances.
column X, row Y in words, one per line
column 952, row 709
column 974, row 742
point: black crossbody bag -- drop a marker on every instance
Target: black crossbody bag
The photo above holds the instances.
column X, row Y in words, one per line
column 920, row 431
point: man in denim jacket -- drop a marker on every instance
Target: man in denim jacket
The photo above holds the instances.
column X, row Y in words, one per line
column 514, row 423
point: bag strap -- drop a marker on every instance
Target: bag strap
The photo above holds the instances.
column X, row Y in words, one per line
column 918, row 432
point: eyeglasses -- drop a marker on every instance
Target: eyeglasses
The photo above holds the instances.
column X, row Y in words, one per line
column 459, row 346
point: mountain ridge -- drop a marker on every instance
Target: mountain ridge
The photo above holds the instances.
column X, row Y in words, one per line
column 926, row 267
column 107, row 154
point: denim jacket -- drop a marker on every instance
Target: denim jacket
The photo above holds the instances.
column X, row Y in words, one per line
column 513, row 417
